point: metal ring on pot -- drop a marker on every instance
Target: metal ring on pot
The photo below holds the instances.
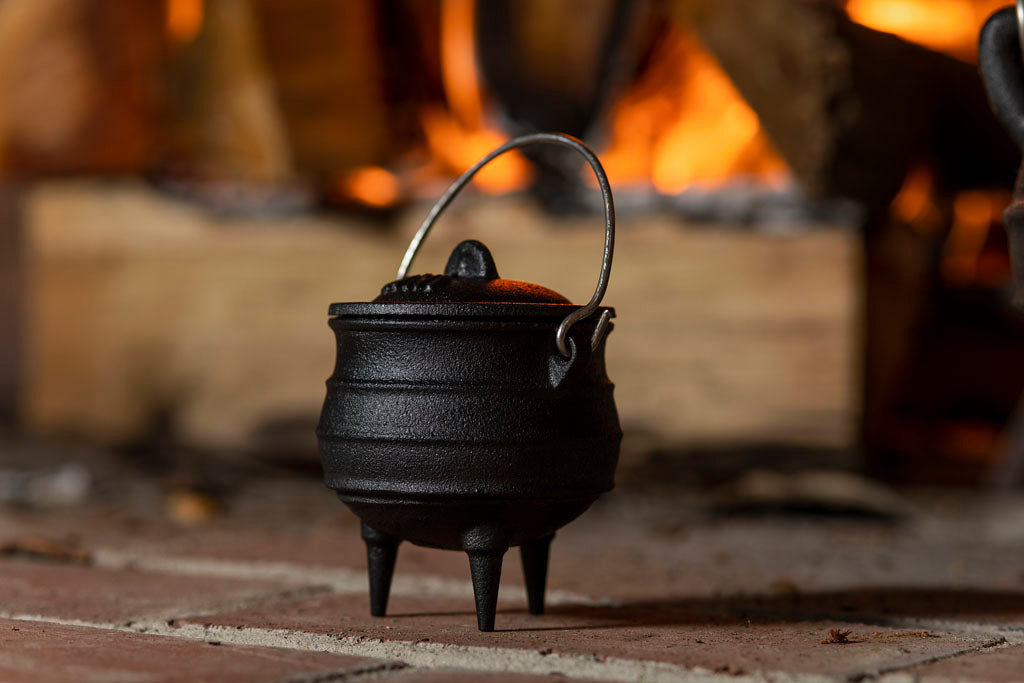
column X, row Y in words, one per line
column 609, row 223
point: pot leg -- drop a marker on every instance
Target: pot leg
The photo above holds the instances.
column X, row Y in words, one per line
column 381, row 553
column 535, row 571
column 485, row 567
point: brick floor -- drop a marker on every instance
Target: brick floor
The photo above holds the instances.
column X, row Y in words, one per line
column 673, row 553
column 640, row 589
column 39, row 652
column 686, row 633
column 100, row 595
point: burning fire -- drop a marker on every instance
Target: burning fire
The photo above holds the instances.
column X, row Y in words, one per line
column 683, row 123
column 184, row 19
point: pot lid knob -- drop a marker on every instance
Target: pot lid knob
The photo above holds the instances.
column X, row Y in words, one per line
column 471, row 259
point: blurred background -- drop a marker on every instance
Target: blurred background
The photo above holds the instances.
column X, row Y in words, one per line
column 810, row 270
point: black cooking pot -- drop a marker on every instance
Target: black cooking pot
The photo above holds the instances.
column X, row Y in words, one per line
column 1001, row 57
column 470, row 412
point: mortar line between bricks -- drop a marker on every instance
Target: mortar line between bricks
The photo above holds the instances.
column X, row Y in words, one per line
column 1012, row 635
column 341, row 580
column 368, row 672
column 896, row 668
column 1005, row 634
column 432, row 656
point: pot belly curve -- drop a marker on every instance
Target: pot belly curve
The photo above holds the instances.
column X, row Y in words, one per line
column 441, row 443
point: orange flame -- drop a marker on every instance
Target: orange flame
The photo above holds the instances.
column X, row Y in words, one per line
column 370, row 185
column 684, row 123
column 458, row 62
column 460, row 135
column 184, row 19
column 949, row 26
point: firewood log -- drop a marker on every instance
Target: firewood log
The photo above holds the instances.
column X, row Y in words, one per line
column 852, row 109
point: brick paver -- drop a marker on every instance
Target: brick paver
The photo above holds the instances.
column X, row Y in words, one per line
column 32, row 652
column 105, row 596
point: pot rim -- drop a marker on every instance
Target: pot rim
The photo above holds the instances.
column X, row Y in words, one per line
column 419, row 310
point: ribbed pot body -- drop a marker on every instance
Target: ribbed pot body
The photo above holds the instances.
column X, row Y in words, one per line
column 442, row 420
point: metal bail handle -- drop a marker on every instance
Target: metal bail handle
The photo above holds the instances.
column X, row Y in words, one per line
column 609, row 228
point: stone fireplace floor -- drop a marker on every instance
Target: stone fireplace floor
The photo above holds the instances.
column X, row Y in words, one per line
column 647, row 586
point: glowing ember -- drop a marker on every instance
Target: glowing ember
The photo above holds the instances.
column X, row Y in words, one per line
column 184, row 19
column 968, row 257
column 460, row 135
column 915, row 203
column 683, row 123
column 370, row 185
column 975, row 215
column 949, row 26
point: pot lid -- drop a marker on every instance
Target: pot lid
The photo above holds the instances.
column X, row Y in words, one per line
column 469, row 277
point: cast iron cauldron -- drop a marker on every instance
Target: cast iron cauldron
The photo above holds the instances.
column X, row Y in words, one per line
column 469, row 412
column 1001, row 56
